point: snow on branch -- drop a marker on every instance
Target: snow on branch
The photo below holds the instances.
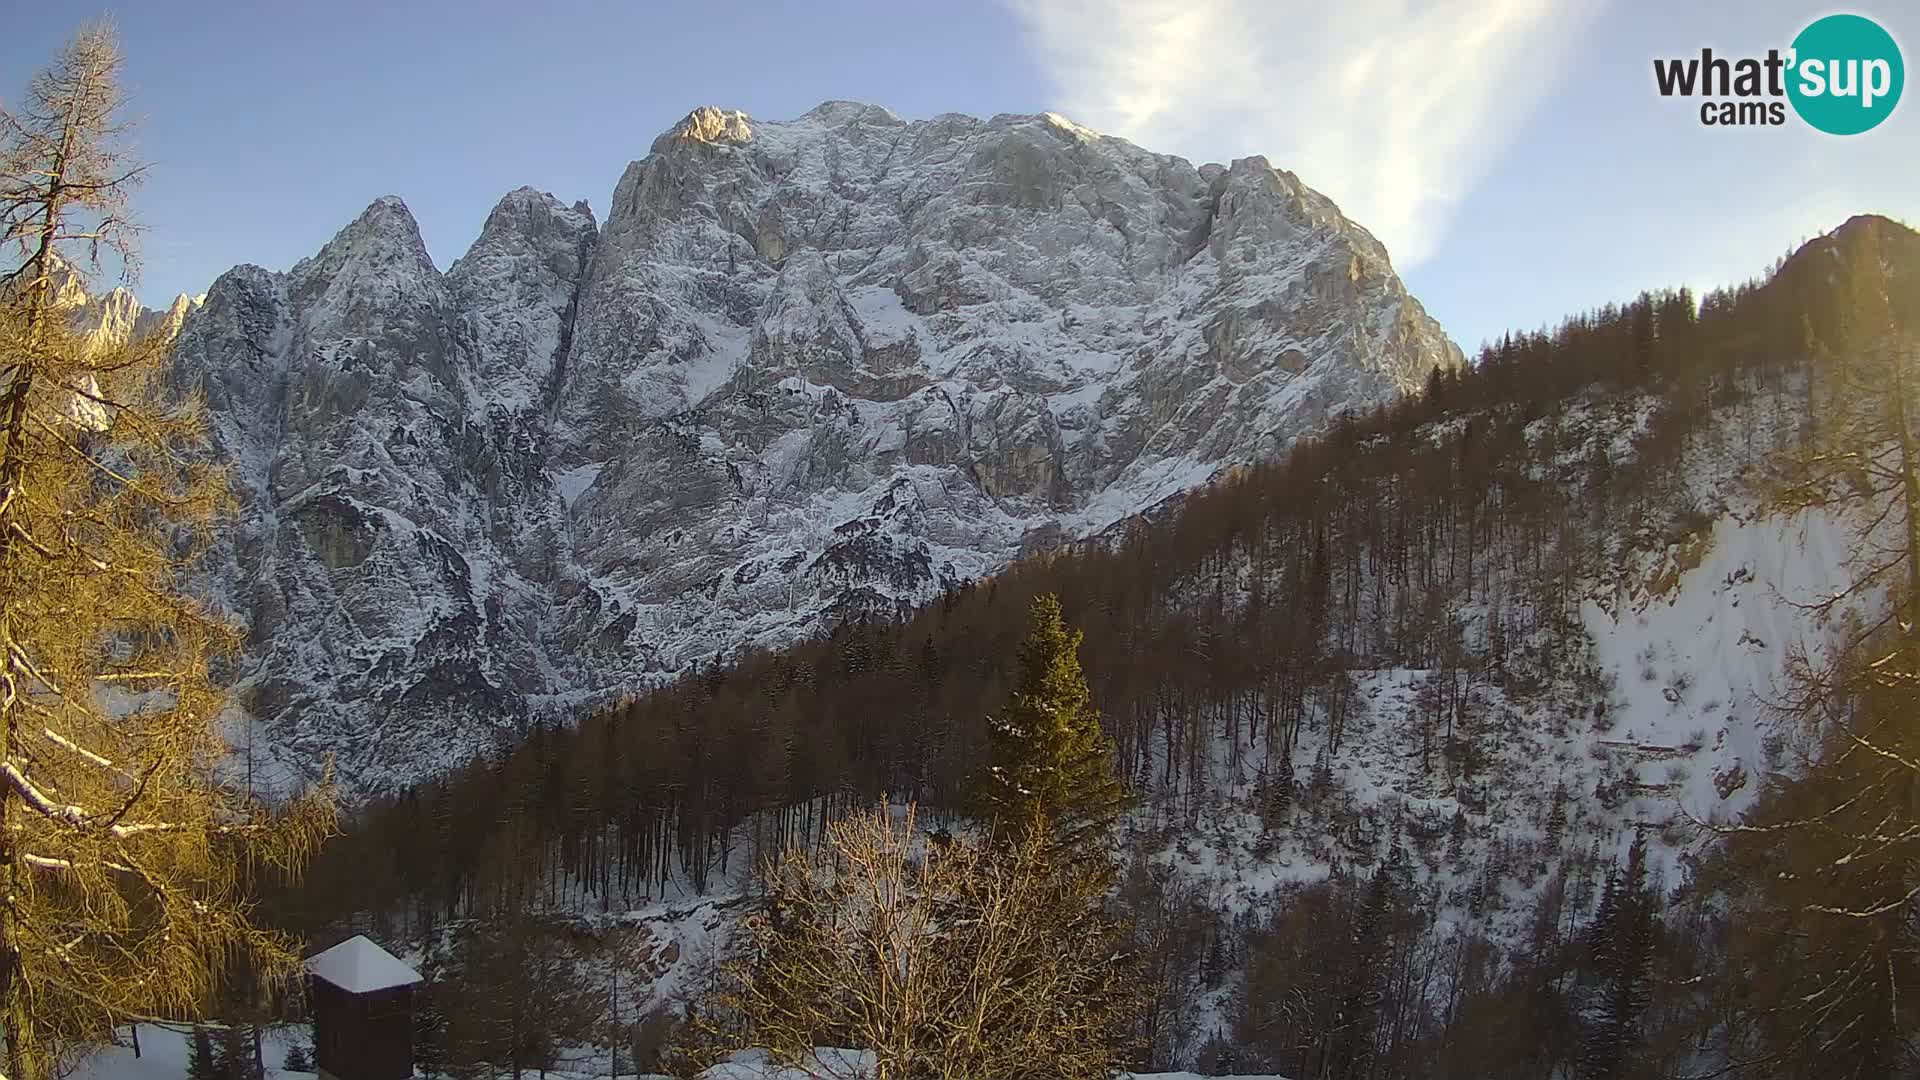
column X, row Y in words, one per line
column 80, row 818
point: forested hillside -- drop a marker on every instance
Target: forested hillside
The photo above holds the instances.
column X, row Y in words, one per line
column 1421, row 787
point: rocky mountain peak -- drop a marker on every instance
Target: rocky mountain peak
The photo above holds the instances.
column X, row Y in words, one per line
column 517, row 287
column 837, row 113
column 167, row 323
column 530, row 212
column 380, row 252
column 711, row 125
column 808, row 369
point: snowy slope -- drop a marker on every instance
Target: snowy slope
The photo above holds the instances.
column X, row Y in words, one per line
column 1700, row 660
column 164, row 1054
column 1687, row 644
column 808, row 369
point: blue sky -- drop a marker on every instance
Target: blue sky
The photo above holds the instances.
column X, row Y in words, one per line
column 1512, row 154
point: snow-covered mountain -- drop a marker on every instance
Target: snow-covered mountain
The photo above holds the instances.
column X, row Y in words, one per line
column 116, row 316
column 806, row 370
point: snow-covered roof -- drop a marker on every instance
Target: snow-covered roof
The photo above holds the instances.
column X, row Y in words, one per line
column 358, row 966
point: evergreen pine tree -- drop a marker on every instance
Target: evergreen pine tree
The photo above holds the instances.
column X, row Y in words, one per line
column 1604, row 914
column 1213, row 964
column 1398, row 869
column 200, row 1063
column 429, row 1022
column 1500, row 863
column 1623, row 955
column 1280, row 792
column 1048, row 757
column 1557, row 818
column 233, row 1055
column 1374, row 927
column 1320, row 784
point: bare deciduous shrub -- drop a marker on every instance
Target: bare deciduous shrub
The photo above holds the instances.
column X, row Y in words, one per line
column 949, row 959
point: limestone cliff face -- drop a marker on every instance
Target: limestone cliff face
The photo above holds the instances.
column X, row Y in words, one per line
column 806, row 370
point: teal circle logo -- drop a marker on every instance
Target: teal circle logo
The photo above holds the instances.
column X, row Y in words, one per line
column 1846, row 74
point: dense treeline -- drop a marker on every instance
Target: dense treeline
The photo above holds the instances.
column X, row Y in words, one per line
column 1224, row 620
column 1789, row 948
column 1221, row 641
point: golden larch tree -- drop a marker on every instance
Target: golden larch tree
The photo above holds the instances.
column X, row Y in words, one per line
column 125, row 856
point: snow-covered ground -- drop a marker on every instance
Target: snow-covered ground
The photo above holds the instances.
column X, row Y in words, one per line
column 163, row 1056
column 164, row 1052
column 1699, row 659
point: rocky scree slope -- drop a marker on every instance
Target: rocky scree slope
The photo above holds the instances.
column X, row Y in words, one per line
column 806, row 371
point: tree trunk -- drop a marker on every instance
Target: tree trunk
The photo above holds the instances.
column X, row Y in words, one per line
column 15, row 1019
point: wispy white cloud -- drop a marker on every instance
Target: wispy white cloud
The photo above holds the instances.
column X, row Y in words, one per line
column 1392, row 108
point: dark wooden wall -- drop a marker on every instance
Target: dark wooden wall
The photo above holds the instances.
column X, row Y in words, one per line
column 362, row 1036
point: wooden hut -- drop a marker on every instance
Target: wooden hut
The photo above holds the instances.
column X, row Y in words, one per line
column 362, row 1006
